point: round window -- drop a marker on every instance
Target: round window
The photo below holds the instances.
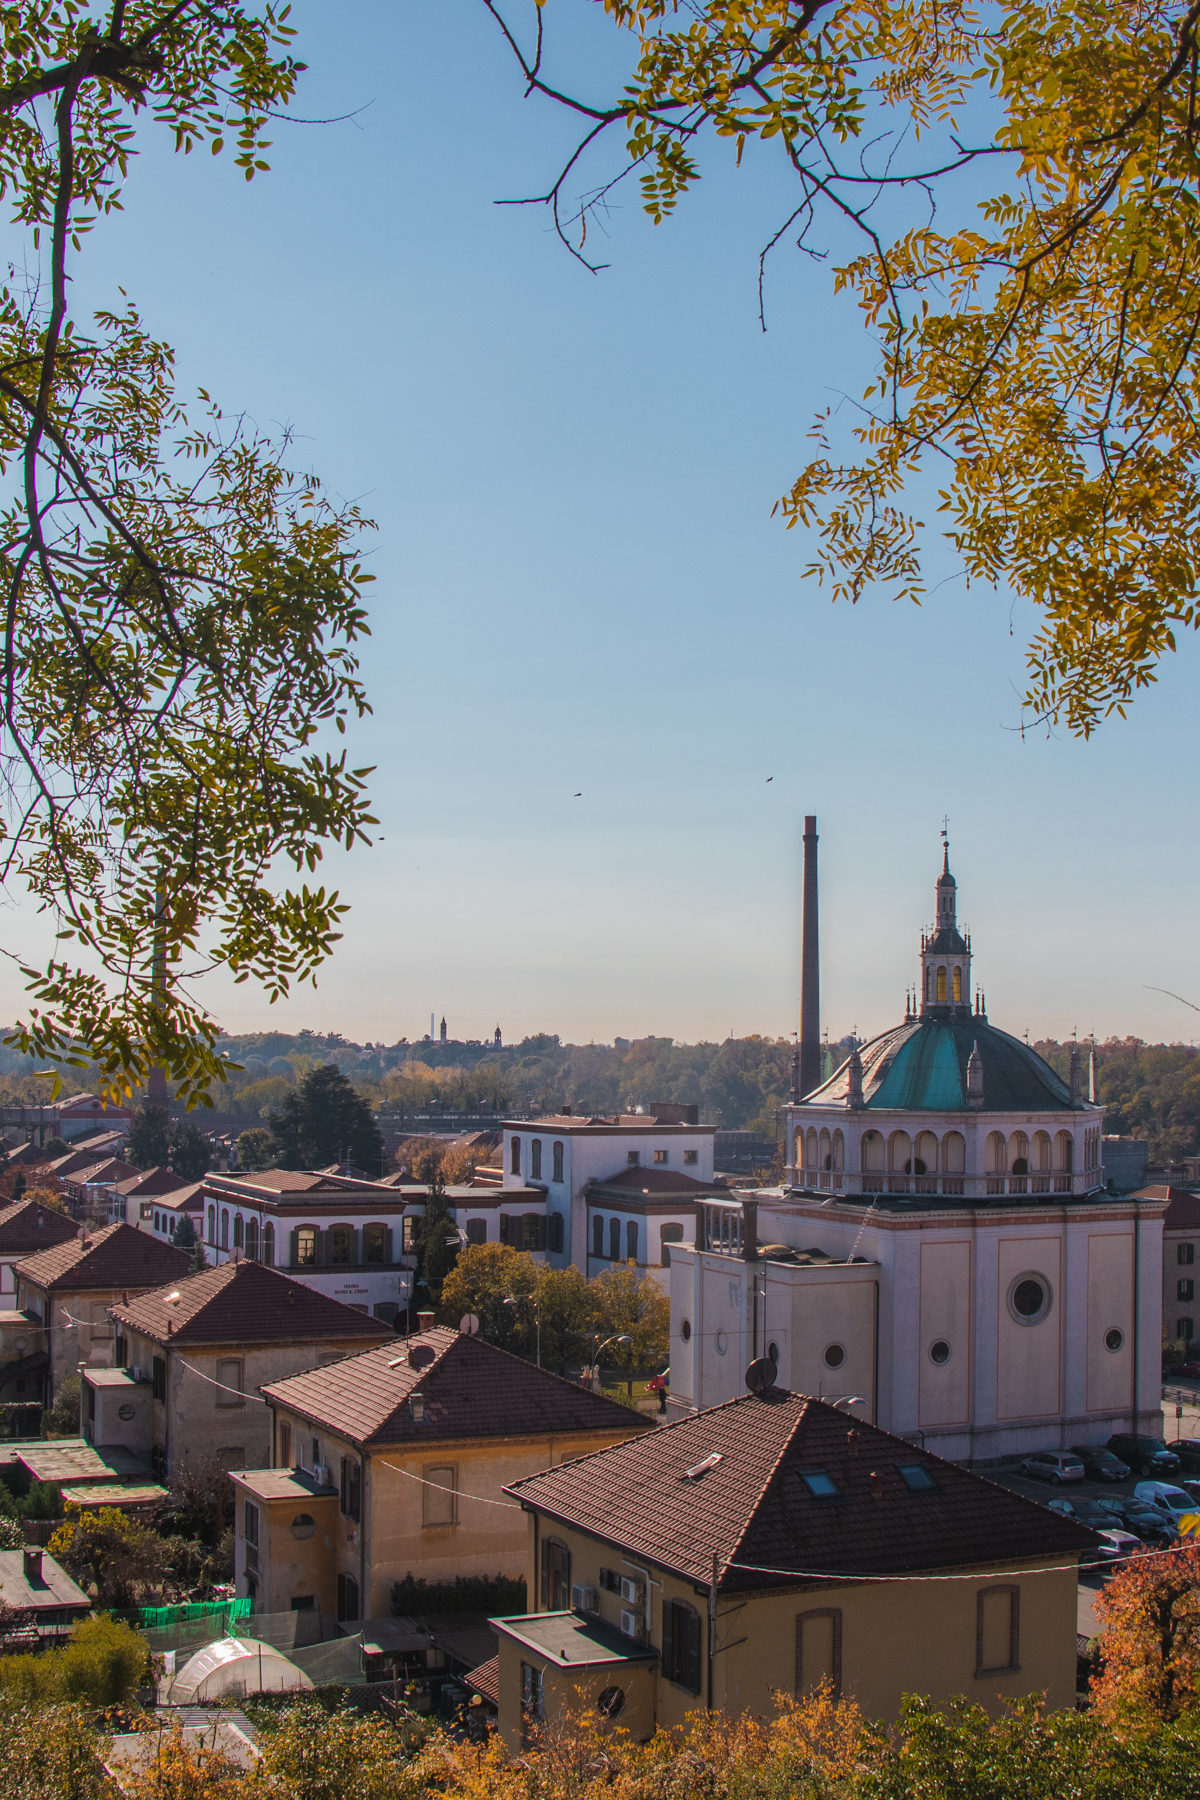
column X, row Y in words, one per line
column 685, row 1330
column 939, row 1351
column 1029, row 1298
column 125, row 1412
column 303, row 1525
column 21, row 1346
column 611, row 1702
column 722, row 1343
column 835, row 1356
column 773, row 1353
column 1113, row 1339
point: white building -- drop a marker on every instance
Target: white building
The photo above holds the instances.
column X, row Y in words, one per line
column 944, row 1251
column 660, row 1170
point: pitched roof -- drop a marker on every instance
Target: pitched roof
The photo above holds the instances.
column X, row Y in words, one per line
column 117, row 1257
column 751, row 1507
column 922, row 1066
column 153, row 1181
column 651, row 1182
column 471, row 1389
column 244, row 1302
column 29, row 1226
column 1183, row 1208
column 110, row 1168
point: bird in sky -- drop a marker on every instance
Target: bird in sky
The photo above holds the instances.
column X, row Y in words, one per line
column 770, row 778
column 579, row 796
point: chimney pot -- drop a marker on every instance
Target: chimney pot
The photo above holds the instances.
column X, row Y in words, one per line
column 876, row 1485
column 33, row 1566
column 852, row 1441
column 425, row 1321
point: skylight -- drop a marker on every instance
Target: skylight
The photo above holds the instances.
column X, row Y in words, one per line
column 915, row 1477
column 702, row 1468
column 820, row 1485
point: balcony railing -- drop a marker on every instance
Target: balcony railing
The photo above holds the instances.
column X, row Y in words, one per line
column 956, row 1187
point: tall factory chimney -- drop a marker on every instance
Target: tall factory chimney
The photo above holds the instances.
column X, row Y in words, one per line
column 810, row 970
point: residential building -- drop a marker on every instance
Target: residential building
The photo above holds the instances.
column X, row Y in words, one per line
column 25, row 1228
column 342, row 1236
column 192, row 1357
column 1180, row 1267
column 39, row 1589
column 767, row 1545
column 79, row 1116
column 944, row 1247
column 71, row 1287
column 562, row 1156
column 395, row 1462
column 637, row 1215
column 23, row 1364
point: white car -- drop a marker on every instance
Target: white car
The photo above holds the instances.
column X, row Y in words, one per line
column 1165, row 1498
column 1115, row 1545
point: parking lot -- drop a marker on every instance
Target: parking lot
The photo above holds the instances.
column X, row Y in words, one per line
column 1181, row 1418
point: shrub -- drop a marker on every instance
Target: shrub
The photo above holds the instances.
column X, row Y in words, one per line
column 63, row 1417
column 103, row 1664
column 501, row 1594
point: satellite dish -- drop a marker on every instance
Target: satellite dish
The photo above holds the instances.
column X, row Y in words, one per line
column 468, row 1324
column 420, row 1356
column 760, row 1375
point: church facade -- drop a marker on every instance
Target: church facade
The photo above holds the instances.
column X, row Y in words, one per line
column 943, row 1256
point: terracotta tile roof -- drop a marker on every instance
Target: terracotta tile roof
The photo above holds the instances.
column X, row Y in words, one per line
column 486, row 1680
column 1183, row 1208
column 153, row 1181
column 117, row 1257
column 244, row 1302
column 28, row 1226
column 653, row 1181
column 112, row 1169
column 471, row 1389
column 752, row 1506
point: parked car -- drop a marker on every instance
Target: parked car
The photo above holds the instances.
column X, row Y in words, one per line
column 1100, row 1463
column 1115, row 1545
column 1089, row 1512
column 1141, row 1519
column 1192, row 1488
column 1188, row 1452
column 1148, row 1455
column 1165, row 1497
column 1053, row 1465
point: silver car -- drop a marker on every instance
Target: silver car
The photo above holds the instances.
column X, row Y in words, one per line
column 1053, row 1465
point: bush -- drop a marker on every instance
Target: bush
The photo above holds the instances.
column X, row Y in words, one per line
column 103, row 1664
column 501, row 1595
column 53, row 1754
column 63, row 1417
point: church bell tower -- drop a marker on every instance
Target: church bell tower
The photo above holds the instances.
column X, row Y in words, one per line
column 946, row 954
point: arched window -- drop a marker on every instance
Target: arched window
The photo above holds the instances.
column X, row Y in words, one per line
column 614, row 1239
column 1018, row 1153
column 212, row 1224
column 995, row 1154
column 597, row 1236
column 670, row 1234
column 798, row 1149
column 810, row 1148
column 306, row 1245
column 339, row 1241
column 928, row 982
column 838, row 1151
column 558, row 1162
column 268, row 1249
column 954, row 1153
column 1041, row 1152
column 374, row 1243
column 516, row 1156
column 926, row 1154
column 901, row 1152
column 1064, row 1152
column 824, row 1154
column 957, row 983
column 252, row 1239
column 941, row 981
column 224, row 1229
column 158, row 1221
column 535, row 1160
column 237, row 1231
column 872, row 1152
column 631, row 1240
column 477, row 1231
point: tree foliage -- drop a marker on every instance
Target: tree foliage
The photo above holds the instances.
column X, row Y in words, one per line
column 1038, row 351
column 182, row 606
column 157, row 1141
column 255, row 1148
column 1150, row 1619
column 103, row 1664
column 325, row 1120
column 120, row 1559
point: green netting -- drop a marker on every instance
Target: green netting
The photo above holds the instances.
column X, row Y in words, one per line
column 157, row 1618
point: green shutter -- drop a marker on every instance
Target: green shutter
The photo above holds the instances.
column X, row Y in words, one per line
column 355, row 1246
column 545, row 1574
column 387, row 1245
column 294, row 1252
column 691, row 1674
column 320, row 1256
column 668, row 1640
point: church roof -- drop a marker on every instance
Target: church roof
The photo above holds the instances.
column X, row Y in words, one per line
column 921, row 1066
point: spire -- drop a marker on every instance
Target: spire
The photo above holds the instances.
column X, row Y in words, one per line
column 854, row 1080
column 945, row 953
column 1093, row 1094
column 975, row 1078
column 1076, row 1077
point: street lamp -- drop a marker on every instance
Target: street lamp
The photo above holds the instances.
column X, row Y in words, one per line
column 515, row 1300
column 624, row 1338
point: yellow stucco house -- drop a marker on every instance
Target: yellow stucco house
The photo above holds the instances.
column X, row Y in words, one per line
column 396, row 1462
column 766, row 1545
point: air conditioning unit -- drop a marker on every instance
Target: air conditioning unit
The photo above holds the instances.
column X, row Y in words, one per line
column 585, row 1599
column 321, row 1475
column 633, row 1592
column 633, row 1625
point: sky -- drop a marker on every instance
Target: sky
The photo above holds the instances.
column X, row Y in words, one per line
column 605, row 694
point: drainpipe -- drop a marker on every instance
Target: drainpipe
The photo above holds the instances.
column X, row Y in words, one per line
column 750, row 1257
column 1137, row 1315
column 712, row 1627
column 364, row 1477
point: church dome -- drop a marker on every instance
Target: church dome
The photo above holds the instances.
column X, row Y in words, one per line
column 921, row 1066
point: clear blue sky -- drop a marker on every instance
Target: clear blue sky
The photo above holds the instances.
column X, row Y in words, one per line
column 580, row 589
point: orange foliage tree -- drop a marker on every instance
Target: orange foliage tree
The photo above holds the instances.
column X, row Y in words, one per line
column 1150, row 1613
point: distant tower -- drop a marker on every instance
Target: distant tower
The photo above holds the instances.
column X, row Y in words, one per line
column 946, row 954
column 443, row 1031
column 497, row 1039
column 810, row 967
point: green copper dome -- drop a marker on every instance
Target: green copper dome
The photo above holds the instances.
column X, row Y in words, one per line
column 921, row 1066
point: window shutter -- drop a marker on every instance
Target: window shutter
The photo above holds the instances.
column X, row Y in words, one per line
column 294, row 1250
column 320, row 1252
column 692, row 1674
column 668, row 1640
column 387, row 1245
column 355, row 1246
column 504, row 1228
column 545, row 1573
column 344, row 1484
